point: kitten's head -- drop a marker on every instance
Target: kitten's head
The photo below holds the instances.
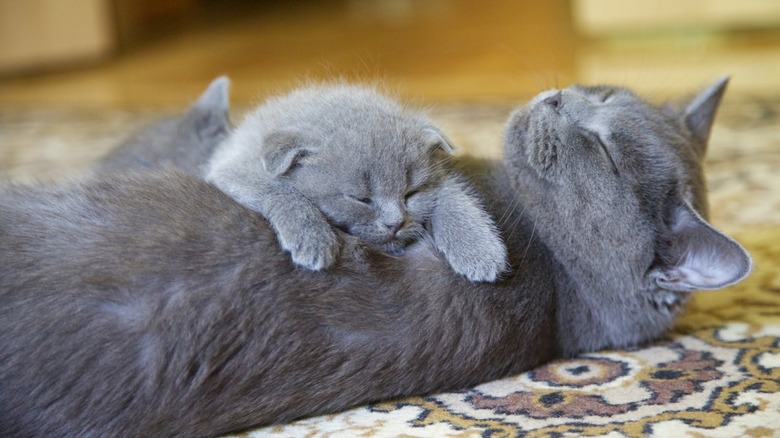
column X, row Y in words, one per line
column 621, row 180
column 371, row 166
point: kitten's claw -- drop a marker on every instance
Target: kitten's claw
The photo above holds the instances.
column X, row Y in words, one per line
column 315, row 250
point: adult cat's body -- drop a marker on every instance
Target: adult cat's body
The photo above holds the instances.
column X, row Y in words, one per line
column 156, row 306
column 346, row 156
column 185, row 142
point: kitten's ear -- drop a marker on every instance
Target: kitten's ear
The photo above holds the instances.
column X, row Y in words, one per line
column 210, row 113
column 283, row 150
column 436, row 140
column 693, row 255
column 700, row 113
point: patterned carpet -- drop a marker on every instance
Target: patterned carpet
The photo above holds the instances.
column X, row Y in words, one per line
column 717, row 374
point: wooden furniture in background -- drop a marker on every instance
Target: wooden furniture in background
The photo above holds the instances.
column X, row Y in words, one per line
column 36, row 34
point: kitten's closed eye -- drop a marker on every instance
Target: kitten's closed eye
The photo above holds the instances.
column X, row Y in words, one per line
column 411, row 194
column 361, row 199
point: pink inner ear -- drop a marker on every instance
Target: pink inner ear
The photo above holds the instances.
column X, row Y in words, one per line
column 707, row 258
column 706, row 269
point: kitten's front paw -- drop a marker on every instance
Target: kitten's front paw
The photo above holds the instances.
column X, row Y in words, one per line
column 315, row 249
column 483, row 260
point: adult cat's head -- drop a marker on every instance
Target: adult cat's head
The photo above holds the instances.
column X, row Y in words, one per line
column 617, row 187
column 325, row 141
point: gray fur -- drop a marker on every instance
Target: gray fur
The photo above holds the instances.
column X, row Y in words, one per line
column 155, row 305
column 185, row 142
column 615, row 187
column 346, row 156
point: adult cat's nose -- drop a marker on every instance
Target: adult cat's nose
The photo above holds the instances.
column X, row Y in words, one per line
column 555, row 100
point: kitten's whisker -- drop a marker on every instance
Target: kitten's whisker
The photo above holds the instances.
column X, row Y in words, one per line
column 442, row 162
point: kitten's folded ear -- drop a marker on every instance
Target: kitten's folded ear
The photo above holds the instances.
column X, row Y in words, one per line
column 283, row 151
column 693, row 255
column 438, row 141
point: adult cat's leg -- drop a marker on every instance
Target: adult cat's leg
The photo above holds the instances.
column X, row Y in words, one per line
column 466, row 235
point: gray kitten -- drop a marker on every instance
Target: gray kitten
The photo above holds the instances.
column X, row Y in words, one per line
column 155, row 305
column 185, row 142
column 346, row 156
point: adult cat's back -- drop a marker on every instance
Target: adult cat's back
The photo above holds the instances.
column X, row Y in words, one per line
column 196, row 322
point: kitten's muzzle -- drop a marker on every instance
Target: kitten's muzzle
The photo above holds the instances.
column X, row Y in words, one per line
column 394, row 227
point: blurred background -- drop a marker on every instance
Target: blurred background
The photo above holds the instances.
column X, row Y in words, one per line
column 141, row 53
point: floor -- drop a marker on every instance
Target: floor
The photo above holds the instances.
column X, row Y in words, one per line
column 428, row 50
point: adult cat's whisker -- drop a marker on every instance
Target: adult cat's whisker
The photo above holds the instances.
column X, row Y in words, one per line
column 518, row 272
column 530, row 240
column 513, row 227
column 681, row 260
column 511, row 207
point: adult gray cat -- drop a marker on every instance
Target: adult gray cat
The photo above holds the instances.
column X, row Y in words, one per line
column 184, row 142
column 156, row 305
column 346, row 156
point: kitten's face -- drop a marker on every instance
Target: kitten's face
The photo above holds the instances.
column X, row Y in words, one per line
column 382, row 203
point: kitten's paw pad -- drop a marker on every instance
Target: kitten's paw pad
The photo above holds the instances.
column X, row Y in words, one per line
column 314, row 250
column 482, row 261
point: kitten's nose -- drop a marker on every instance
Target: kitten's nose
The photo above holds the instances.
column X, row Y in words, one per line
column 555, row 101
column 394, row 227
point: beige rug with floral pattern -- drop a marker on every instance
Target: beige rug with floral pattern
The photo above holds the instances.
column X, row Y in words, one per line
column 717, row 374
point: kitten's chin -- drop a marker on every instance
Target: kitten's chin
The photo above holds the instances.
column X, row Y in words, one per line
column 396, row 249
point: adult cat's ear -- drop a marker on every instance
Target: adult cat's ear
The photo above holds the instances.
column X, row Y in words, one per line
column 283, row 150
column 693, row 255
column 210, row 113
column 438, row 141
column 700, row 112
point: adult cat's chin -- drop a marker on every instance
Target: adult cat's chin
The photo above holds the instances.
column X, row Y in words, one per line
column 669, row 303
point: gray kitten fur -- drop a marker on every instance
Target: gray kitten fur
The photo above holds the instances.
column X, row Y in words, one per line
column 155, row 305
column 346, row 156
column 185, row 142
